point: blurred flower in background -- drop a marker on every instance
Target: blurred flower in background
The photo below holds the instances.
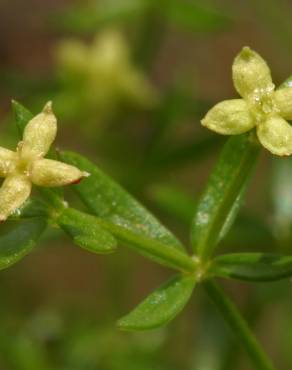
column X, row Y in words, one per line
column 98, row 77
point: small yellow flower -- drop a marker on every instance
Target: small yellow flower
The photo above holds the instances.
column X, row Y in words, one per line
column 27, row 166
column 261, row 106
column 104, row 71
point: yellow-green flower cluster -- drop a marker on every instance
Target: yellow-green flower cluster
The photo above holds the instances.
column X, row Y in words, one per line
column 103, row 71
column 261, row 106
column 27, row 165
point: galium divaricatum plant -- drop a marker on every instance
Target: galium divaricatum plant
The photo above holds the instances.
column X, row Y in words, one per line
column 114, row 217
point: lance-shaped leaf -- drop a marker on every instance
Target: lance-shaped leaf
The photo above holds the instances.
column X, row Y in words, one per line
column 252, row 266
column 161, row 306
column 86, row 231
column 22, row 116
column 20, row 240
column 110, row 201
column 33, row 207
column 220, row 202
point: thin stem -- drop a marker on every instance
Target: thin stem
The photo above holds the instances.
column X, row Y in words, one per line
column 151, row 248
column 149, row 39
column 238, row 326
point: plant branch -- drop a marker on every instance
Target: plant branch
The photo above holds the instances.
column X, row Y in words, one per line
column 239, row 326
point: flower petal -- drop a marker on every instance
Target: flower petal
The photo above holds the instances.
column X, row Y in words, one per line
column 251, row 73
column 275, row 134
column 7, row 161
column 283, row 100
column 13, row 193
column 72, row 56
column 230, row 117
column 39, row 133
column 47, row 172
column 109, row 51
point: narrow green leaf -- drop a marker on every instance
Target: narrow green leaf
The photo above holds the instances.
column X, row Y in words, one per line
column 20, row 240
column 222, row 197
column 108, row 200
column 22, row 116
column 252, row 266
column 161, row 306
column 86, row 231
column 33, row 207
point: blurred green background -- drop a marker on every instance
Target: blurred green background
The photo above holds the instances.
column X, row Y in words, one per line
column 130, row 81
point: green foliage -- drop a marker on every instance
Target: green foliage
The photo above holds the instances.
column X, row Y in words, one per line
column 108, row 200
column 20, row 240
column 114, row 217
column 22, row 116
column 223, row 195
column 86, row 231
column 252, row 266
column 161, row 306
column 126, row 219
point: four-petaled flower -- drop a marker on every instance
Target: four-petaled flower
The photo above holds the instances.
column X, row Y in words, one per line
column 103, row 73
column 27, row 166
column 262, row 106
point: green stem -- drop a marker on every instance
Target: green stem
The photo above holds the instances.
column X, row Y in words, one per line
column 149, row 39
column 151, row 248
column 239, row 326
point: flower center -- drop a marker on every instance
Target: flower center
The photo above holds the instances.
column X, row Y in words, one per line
column 24, row 160
column 261, row 103
column 23, row 166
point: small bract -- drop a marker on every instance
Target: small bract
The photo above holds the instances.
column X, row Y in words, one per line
column 261, row 106
column 27, row 165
